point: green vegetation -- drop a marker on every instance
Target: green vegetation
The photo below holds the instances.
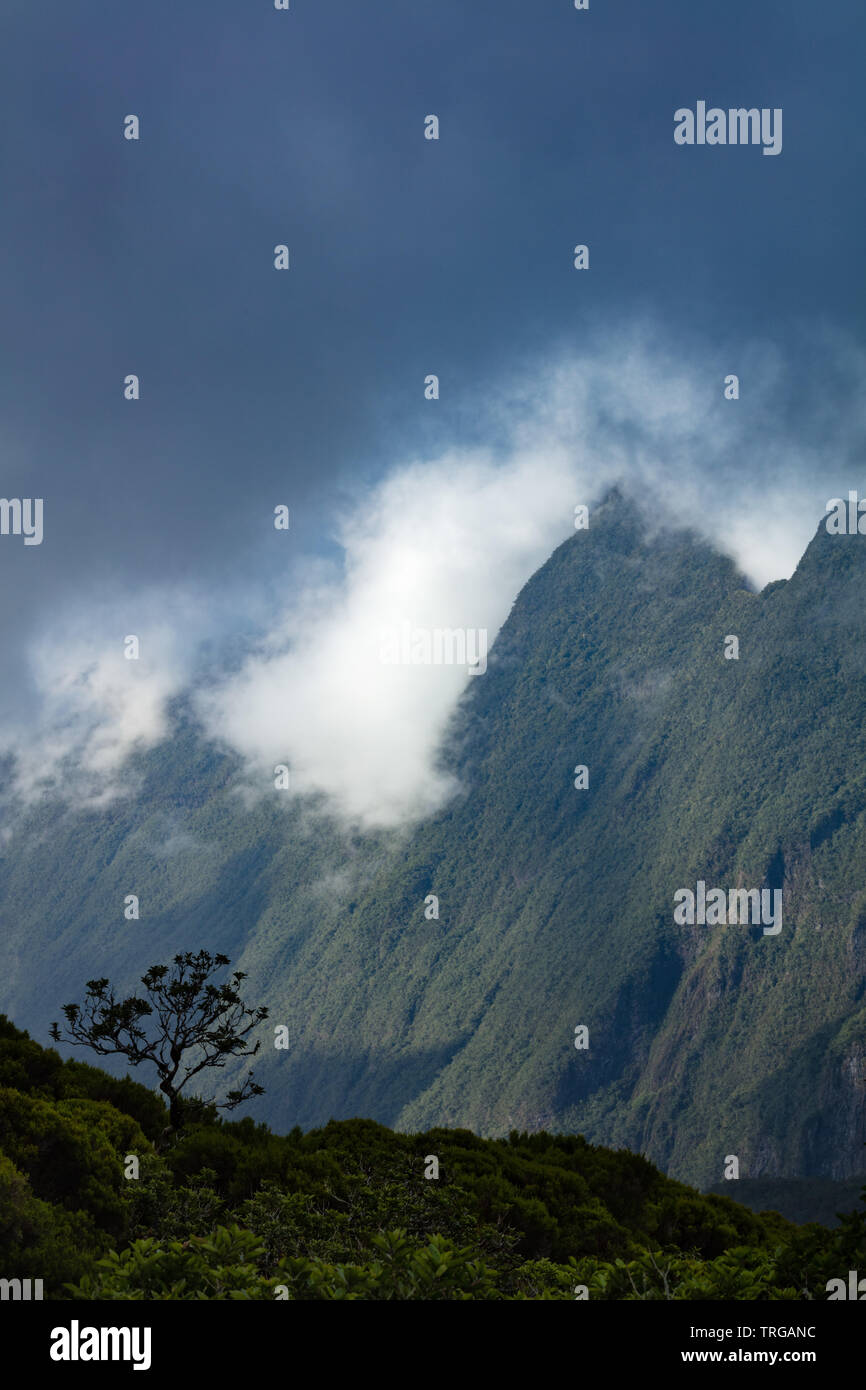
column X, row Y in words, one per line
column 233, row 1211
column 798, row 1199
column 555, row 905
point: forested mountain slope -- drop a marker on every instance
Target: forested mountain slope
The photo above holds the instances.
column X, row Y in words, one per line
column 556, row 904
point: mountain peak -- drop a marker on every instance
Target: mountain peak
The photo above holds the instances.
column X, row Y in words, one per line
column 837, row 550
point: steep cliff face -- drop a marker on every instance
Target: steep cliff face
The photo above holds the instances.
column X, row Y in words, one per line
column 761, row 1047
column 556, row 902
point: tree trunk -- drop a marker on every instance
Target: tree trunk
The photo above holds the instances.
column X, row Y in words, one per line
column 175, row 1115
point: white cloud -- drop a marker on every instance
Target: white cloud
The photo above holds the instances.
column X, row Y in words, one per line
column 93, row 706
column 448, row 543
column 438, row 545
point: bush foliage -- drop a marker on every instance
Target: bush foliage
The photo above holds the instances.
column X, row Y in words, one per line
column 233, row 1211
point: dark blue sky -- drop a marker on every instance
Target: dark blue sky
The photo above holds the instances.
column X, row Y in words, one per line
column 408, row 256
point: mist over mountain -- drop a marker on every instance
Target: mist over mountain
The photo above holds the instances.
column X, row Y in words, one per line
column 555, row 901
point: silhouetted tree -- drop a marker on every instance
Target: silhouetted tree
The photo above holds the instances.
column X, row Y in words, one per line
column 196, row 1025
